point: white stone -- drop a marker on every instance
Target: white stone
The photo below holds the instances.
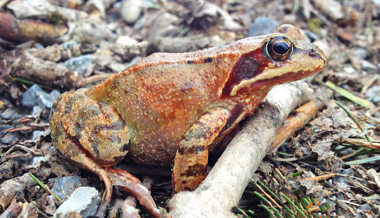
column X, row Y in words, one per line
column 84, row 200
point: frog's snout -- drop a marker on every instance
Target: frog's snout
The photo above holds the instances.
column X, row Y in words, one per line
column 319, row 51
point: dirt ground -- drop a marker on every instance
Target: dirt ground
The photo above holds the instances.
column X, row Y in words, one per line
column 322, row 163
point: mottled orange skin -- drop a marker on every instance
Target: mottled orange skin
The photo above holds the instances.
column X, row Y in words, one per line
column 162, row 100
column 177, row 107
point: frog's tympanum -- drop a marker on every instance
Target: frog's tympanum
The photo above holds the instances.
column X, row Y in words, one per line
column 173, row 109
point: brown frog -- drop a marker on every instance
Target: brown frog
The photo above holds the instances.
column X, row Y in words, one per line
column 175, row 108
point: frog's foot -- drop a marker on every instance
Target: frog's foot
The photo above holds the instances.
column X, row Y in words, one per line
column 190, row 163
column 131, row 184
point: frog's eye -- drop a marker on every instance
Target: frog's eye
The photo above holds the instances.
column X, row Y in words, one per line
column 279, row 48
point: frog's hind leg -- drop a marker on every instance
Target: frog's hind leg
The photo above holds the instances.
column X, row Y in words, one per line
column 75, row 153
column 190, row 163
column 93, row 135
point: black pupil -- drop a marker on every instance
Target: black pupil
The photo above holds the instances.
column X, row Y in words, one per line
column 280, row 48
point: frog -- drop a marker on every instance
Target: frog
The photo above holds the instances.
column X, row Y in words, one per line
column 172, row 109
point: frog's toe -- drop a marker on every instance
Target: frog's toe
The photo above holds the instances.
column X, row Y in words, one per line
column 133, row 185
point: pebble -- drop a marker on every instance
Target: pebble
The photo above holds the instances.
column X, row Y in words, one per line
column 78, row 64
column 373, row 91
column 36, row 160
column 16, row 118
column 35, row 96
column 313, row 36
column 349, row 69
column 65, row 186
column 45, row 100
column 361, row 53
column 8, row 114
column 28, row 98
column 4, row 127
column 36, row 110
column 9, row 138
column 365, row 207
column 140, row 23
column 67, row 44
column 262, row 26
column 36, row 134
column 131, row 10
column 376, row 2
column 366, row 65
column 84, row 200
column 126, row 41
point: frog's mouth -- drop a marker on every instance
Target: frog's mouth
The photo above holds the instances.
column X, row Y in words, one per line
column 288, row 77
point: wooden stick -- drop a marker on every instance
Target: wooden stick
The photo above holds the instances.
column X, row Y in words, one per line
column 299, row 118
column 224, row 185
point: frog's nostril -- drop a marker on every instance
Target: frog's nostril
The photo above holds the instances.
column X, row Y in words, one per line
column 312, row 53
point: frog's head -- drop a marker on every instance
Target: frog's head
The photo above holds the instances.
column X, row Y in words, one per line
column 281, row 57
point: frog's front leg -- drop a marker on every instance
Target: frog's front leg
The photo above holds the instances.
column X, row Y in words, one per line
column 92, row 134
column 190, row 163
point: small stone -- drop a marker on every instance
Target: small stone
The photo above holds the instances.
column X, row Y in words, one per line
column 349, row 69
column 368, row 65
column 133, row 61
column 37, row 134
column 67, row 44
column 37, row 160
column 376, row 2
column 365, row 207
column 54, row 94
column 131, row 10
column 140, row 23
column 373, row 93
column 126, row 41
column 78, row 64
column 28, row 98
column 84, row 200
column 313, row 36
column 262, row 26
column 4, row 127
column 8, row 114
column 9, row 138
column 36, row 110
column 16, row 118
column 45, row 100
column 65, row 186
column 361, row 53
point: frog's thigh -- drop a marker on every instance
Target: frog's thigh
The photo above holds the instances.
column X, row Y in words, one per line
column 70, row 150
column 95, row 127
column 190, row 163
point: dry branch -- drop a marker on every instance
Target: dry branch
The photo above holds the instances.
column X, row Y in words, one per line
column 299, row 118
column 47, row 72
column 11, row 187
column 224, row 185
column 28, row 29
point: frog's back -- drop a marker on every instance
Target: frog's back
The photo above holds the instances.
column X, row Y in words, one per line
column 161, row 97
